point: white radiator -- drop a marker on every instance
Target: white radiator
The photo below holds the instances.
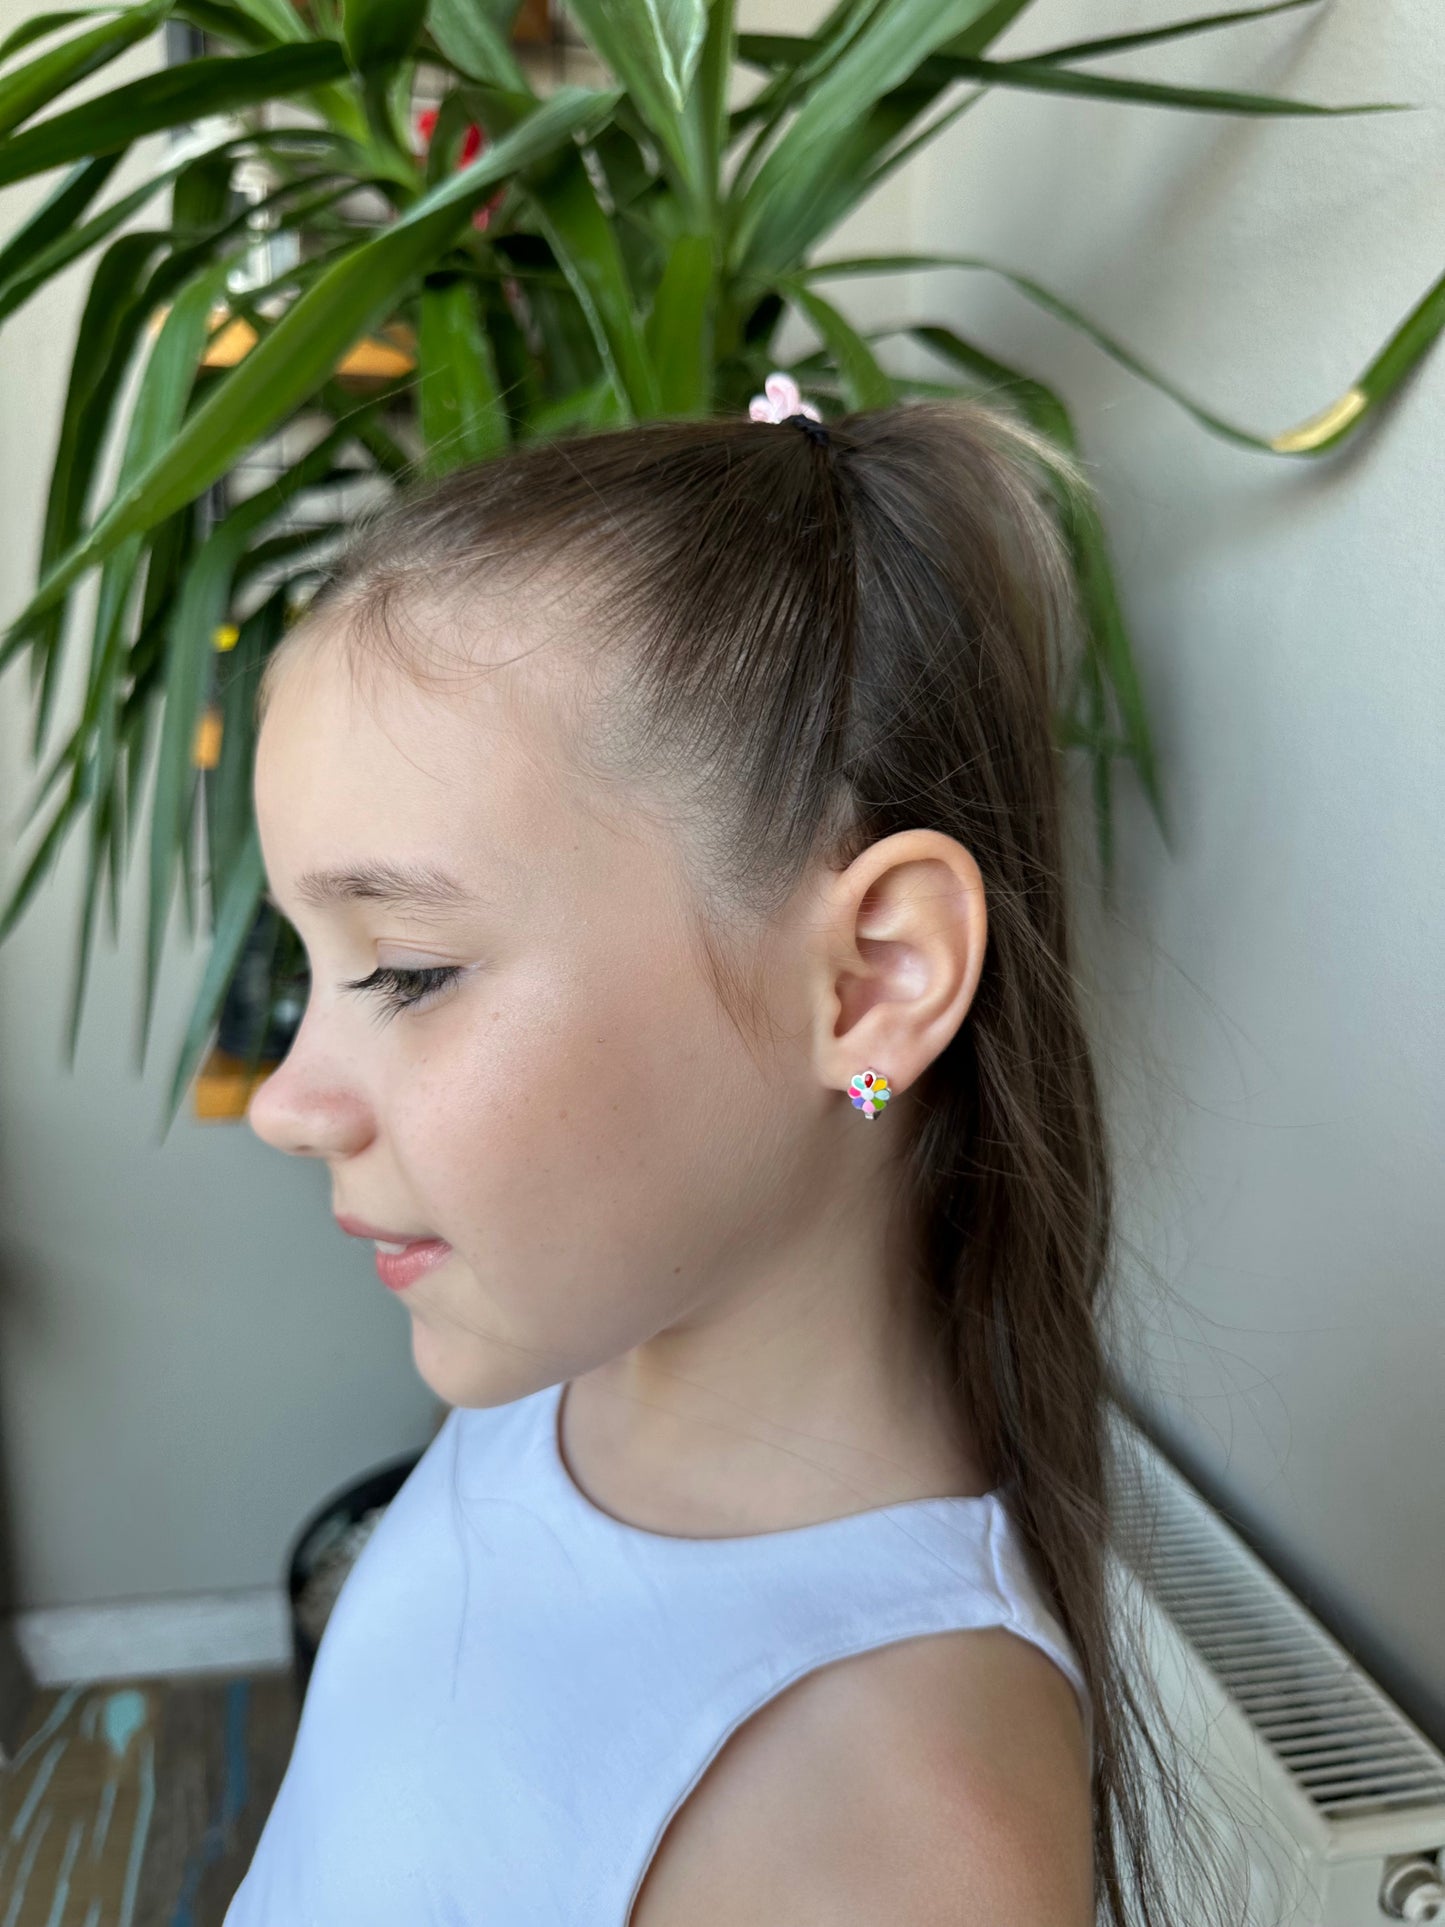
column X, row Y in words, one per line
column 1327, row 1799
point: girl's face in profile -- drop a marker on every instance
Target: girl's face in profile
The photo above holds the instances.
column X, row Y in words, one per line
column 568, row 1107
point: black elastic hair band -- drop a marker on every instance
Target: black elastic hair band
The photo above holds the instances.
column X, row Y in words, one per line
column 817, row 431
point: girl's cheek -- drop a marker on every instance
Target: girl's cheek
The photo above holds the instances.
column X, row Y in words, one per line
column 474, row 1103
column 550, row 1075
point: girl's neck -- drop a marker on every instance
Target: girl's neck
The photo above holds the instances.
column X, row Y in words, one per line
column 678, row 1457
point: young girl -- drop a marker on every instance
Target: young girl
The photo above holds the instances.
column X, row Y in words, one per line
column 671, row 816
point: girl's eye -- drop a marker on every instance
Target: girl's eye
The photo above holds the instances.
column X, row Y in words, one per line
column 405, row 989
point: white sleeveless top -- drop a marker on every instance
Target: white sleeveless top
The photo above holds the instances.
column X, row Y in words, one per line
column 515, row 1691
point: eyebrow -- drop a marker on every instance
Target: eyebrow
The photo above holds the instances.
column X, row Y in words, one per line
column 397, row 886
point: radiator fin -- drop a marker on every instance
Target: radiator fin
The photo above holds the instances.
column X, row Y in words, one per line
column 1347, row 1747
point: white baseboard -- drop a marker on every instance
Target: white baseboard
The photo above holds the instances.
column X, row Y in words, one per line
column 222, row 1632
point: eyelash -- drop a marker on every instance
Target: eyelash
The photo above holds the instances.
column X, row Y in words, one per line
column 406, row 989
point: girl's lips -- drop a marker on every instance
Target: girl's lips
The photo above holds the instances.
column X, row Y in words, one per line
column 358, row 1228
column 398, row 1269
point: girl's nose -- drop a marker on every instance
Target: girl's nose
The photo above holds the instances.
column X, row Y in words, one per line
column 303, row 1110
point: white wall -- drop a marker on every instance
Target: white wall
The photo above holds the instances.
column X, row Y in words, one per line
column 1270, row 990
column 190, row 1358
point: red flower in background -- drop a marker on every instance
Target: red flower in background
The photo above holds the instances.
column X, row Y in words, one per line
column 473, row 142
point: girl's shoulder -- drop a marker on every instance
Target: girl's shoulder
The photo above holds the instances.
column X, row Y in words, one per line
column 938, row 1778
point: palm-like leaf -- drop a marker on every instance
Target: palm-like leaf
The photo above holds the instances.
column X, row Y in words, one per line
column 607, row 256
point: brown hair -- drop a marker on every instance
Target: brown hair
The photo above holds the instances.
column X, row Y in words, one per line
column 814, row 646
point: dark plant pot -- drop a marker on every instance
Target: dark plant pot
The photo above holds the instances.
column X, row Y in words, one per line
column 247, row 1007
column 324, row 1533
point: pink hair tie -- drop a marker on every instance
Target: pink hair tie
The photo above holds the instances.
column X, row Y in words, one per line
column 781, row 401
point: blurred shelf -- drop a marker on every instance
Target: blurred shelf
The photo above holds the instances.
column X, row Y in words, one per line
column 382, row 356
column 223, row 1087
column 534, row 25
column 379, row 357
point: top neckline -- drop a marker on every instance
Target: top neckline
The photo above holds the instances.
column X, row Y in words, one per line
column 571, row 1494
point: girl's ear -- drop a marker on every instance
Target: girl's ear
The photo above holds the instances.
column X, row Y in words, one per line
column 905, row 931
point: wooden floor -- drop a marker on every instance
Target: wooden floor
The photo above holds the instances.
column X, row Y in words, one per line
column 138, row 1803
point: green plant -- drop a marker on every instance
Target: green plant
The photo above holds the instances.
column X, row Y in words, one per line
column 610, row 254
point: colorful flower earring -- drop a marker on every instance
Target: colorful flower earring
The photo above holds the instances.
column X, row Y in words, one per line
column 869, row 1092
